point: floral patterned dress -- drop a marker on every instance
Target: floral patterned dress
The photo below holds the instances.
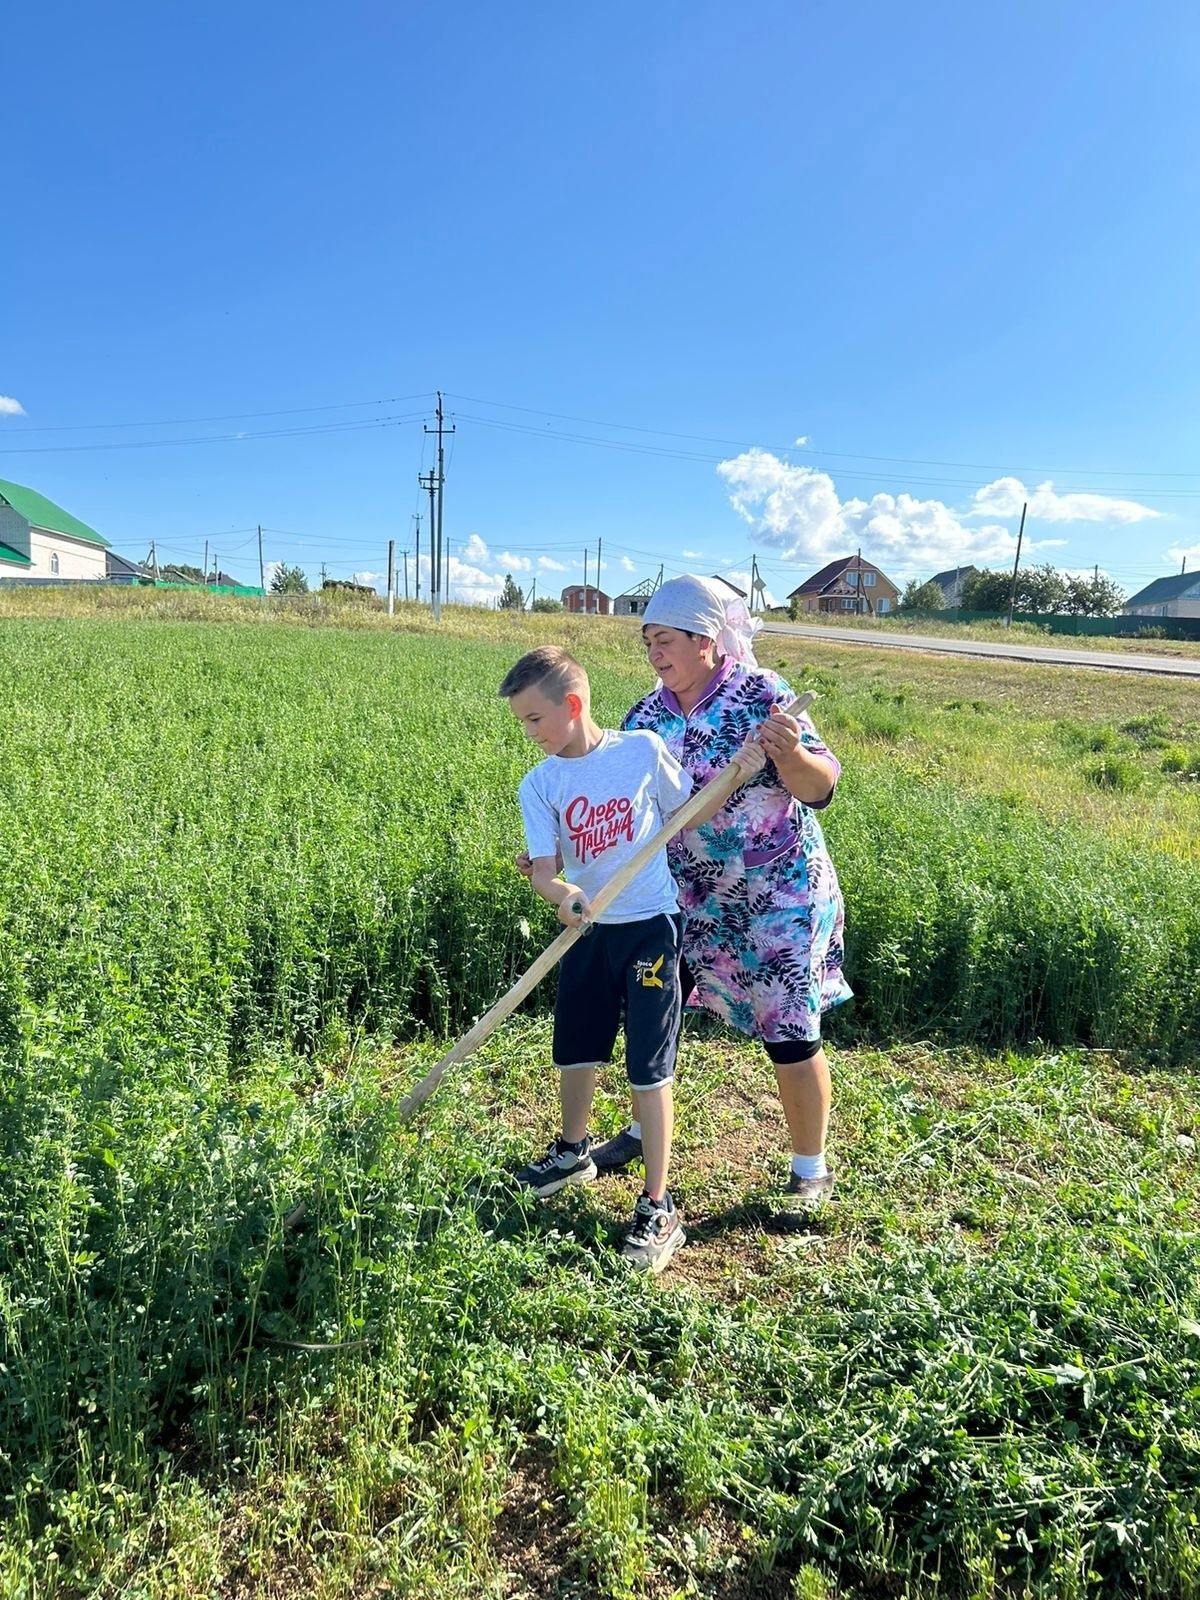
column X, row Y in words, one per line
column 763, row 914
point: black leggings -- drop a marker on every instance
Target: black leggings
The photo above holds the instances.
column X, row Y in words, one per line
column 782, row 1052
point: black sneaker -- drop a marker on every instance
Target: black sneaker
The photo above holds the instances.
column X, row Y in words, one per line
column 655, row 1233
column 617, row 1153
column 801, row 1198
column 562, row 1164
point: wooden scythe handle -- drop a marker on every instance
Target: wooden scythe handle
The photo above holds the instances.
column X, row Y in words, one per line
column 723, row 784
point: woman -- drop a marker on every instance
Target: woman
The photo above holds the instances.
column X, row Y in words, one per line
column 762, row 909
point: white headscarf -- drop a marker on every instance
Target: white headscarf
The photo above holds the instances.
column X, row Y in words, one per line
column 707, row 607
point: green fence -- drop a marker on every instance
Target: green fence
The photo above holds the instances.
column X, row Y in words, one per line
column 1096, row 627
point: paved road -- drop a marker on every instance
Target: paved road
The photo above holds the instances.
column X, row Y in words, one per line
column 1116, row 661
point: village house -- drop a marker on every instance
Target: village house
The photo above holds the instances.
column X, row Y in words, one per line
column 580, row 597
column 952, row 582
column 1176, row 596
column 848, row 586
column 634, row 601
column 39, row 541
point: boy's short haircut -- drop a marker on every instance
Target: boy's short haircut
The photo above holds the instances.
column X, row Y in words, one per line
column 548, row 668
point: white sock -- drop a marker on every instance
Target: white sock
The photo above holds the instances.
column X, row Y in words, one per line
column 810, row 1166
column 635, row 1130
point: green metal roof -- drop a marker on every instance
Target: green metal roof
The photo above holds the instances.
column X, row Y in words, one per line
column 43, row 513
column 7, row 553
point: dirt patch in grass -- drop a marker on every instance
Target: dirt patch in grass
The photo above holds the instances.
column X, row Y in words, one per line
column 532, row 1538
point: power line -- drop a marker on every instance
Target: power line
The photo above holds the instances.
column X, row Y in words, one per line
column 844, row 475
column 232, row 416
column 219, row 438
column 842, row 455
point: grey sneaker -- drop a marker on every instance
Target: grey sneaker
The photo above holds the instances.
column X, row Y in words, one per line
column 655, row 1233
column 561, row 1165
column 801, row 1198
column 617, row 1153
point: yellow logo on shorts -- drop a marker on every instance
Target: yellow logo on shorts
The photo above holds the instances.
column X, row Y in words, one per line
column 648, row 972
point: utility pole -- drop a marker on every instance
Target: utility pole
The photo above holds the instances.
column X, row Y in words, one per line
column 154, row 559
column 429, row 482
column 585, row 582
column 417, row 520
column 405, row 554
column 599, row 590
column 532, row 596
column 658, row 580
column 391, row 589
column 1012, row 595
column 447, row 566
column 216, row 570
column 262, row 571
column 322, row 574
column 435, row 528
column 205, row 577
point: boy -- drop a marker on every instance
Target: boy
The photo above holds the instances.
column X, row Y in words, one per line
column 592, row 802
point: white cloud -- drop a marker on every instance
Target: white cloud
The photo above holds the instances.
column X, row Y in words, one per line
column 627, row 565
column 10, row 407
column 514, row 563
column 1178, row 554
column 1005, row 496
column 548, row 564
column 470, row 585
column 369, row 578
column 802, row 441
column 797, row 511
column 475, row 550
column 692, row 555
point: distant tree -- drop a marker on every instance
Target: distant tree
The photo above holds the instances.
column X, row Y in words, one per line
column 1042, row 590
column 1097, row 596
column 922, row 596
column 289, row 580
column 192, row 573
column 987, row 591
column 546, row 602
column 511, row 598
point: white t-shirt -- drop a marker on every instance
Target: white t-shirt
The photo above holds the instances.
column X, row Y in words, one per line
column 599, row 808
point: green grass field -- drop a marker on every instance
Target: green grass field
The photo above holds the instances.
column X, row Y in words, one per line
column 257, row 866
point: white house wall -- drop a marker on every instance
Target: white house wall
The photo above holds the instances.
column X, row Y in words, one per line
column 1166, row 608
column 76, row 559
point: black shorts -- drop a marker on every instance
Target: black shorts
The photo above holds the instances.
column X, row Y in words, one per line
column 621, row 967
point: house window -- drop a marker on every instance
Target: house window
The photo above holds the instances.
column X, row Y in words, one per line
column 868, row 580
column 54, row 564
column 849, row 605
column 882, row 605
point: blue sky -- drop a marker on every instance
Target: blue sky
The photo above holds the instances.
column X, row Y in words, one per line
column 643, row 250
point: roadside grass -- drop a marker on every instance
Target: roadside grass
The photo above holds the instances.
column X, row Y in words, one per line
column 997, row 633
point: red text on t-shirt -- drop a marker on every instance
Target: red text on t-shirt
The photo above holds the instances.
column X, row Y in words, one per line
column 595, row 826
